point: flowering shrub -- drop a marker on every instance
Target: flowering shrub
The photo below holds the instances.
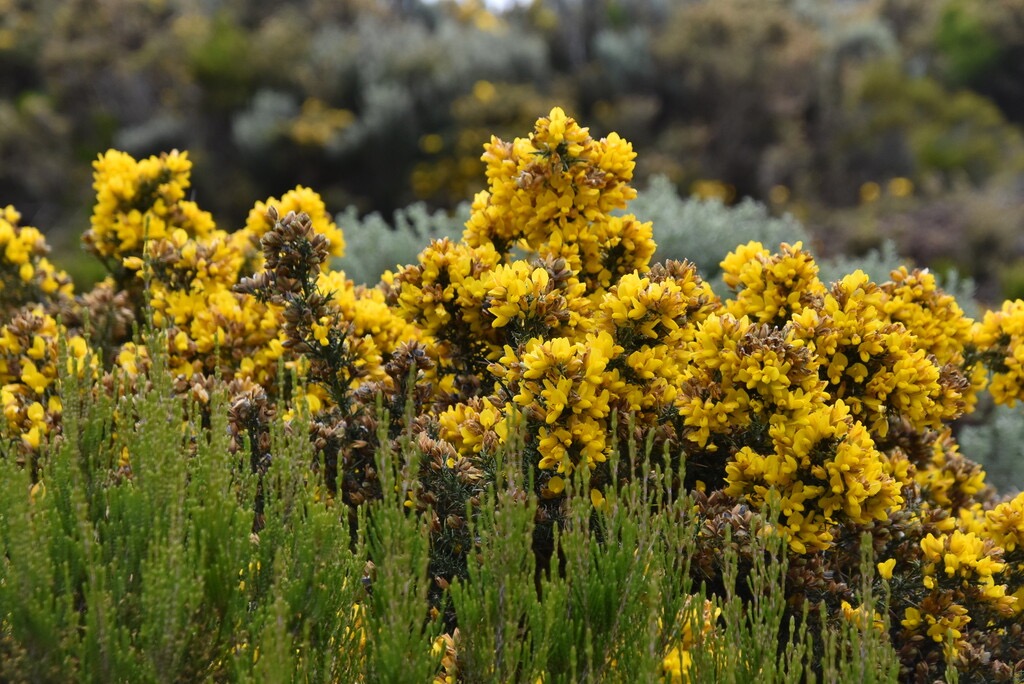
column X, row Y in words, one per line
column 826, row 408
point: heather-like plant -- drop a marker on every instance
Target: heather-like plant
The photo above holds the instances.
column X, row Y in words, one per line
column 153, row 570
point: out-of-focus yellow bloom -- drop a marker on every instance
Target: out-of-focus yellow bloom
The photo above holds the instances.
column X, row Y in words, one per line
column 26, row 276
column 779, row 194
column 858, row 616
column 29, row 374
column 37, row 492
column 141, row 200
column 900, row 187
column 870, row 192
column 675, row 666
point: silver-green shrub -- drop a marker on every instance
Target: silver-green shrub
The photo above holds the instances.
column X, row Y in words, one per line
column 997, row 442
column 374, row 245
column 704, row 231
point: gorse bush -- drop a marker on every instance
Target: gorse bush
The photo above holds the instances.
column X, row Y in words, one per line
column 530, row 454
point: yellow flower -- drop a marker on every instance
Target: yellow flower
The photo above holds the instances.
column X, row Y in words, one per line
column 33, row 437
column 1002, row 333
column 141, row 200
column 31, row 376
column 885, row 568
column 911, row 618
column 858, row 617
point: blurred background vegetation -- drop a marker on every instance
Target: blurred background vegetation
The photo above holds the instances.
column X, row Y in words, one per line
column 872, row 122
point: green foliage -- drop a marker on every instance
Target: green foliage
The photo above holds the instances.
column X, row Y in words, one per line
column 997, row 441
column 160, row 576
column 941, row 132
column 964, row 41
column 222, row 64
column 1012, row 279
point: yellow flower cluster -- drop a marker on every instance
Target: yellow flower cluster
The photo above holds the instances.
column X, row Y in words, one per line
column 1004, row 525
column 566, row 388
column 962, row 555
column 771, row 288
column 534, row 300
column 444, row 296
column 932, row 316
column 662, row 307
column 859, row 617
column 26, row 275
column 652, row 319
column 29, row 358
column 367, row 311
column 140, row 200
column 1002, row 332
column 874, row 364
column 960, row 571
column 209, row 325
column 553, row 194
column 943, row 622
column 825, row 469
column 473, row 426
column 893, row 352
column 192, row 269
column 739, row 373
column 948, row 481
column 571, row 335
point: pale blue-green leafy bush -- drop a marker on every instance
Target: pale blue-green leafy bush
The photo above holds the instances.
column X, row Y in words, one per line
column 704, row 231
column 374, row 246
column 997, row 442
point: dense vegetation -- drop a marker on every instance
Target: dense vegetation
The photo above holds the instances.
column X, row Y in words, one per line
column 530, row 454
column 869, row 120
